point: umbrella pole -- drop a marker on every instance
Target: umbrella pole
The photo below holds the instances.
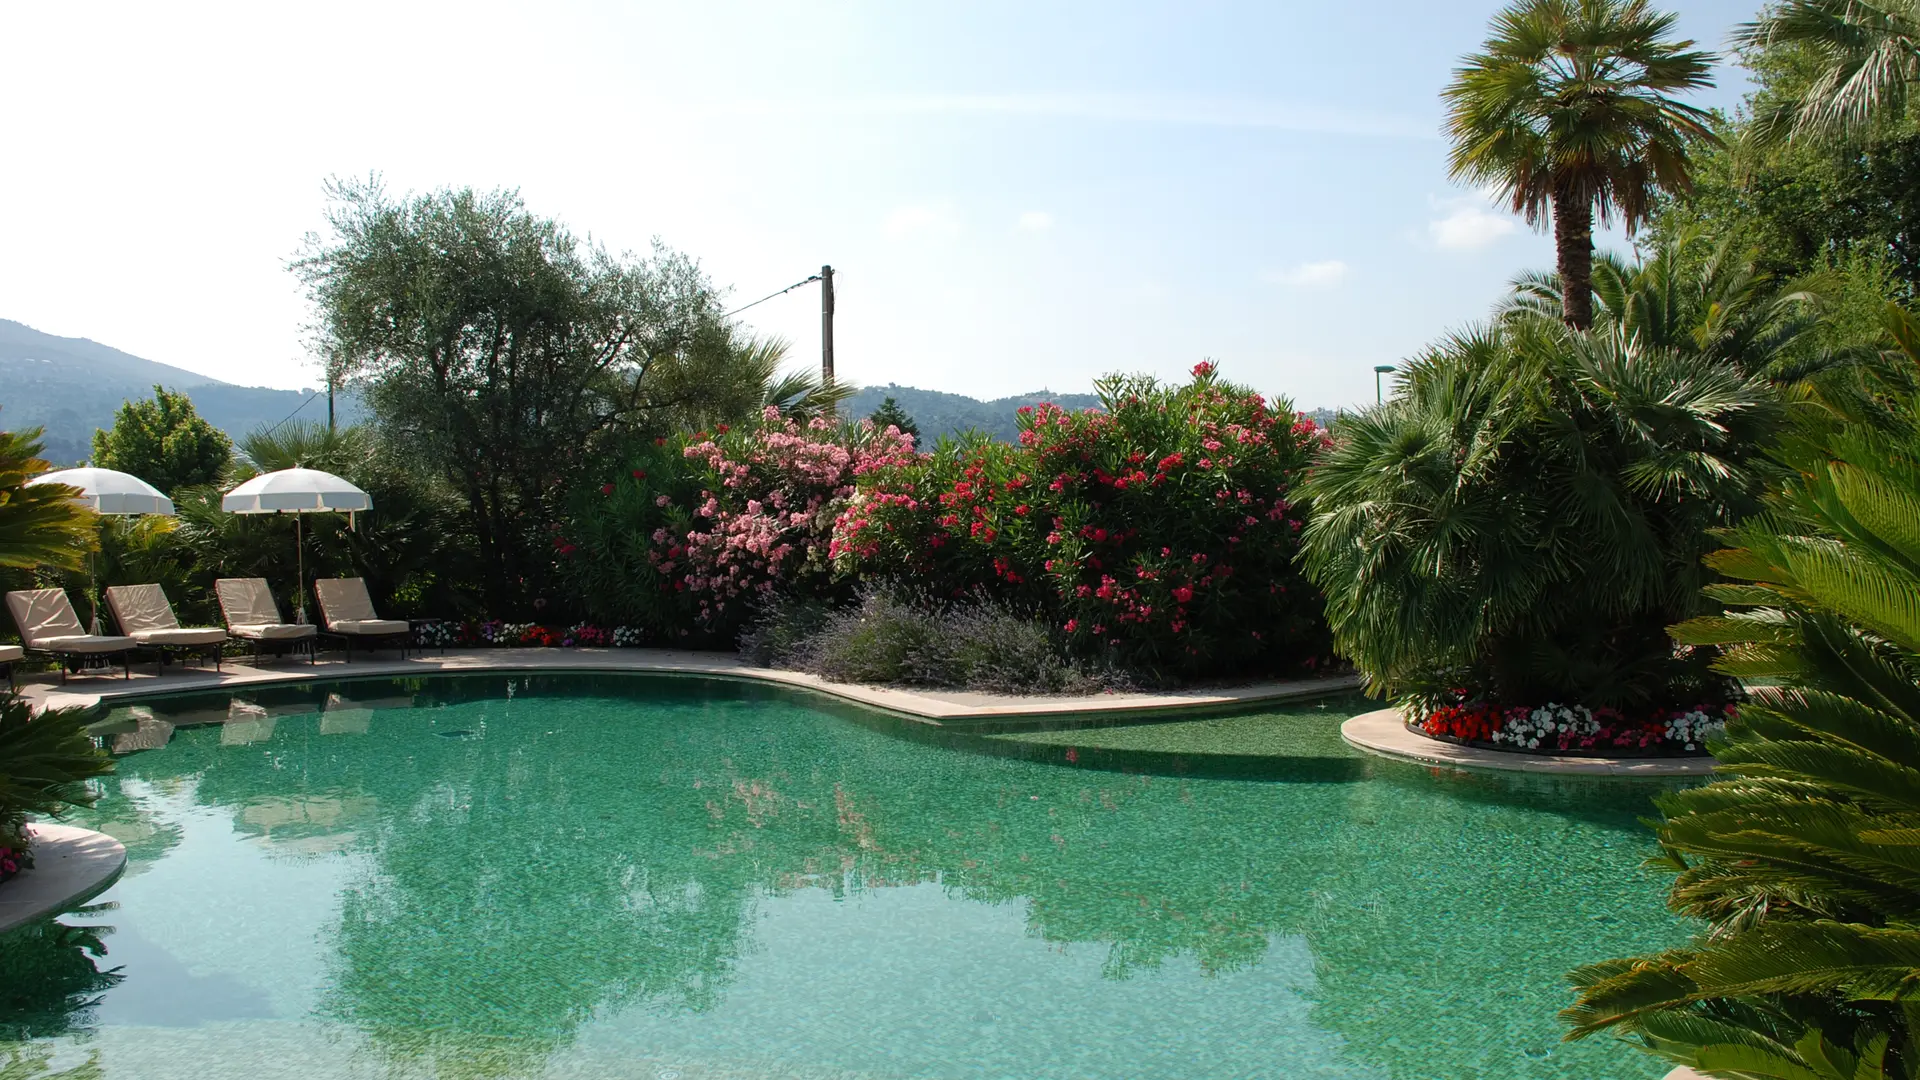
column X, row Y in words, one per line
column 300, row 560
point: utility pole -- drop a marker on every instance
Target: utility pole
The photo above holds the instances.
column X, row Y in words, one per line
column 826, row 326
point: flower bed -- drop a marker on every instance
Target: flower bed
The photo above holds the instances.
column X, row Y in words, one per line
column 1576, row 730
column 493, row 632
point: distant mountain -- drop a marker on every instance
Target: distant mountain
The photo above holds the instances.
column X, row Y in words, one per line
column 940, row 414
column 71, row 386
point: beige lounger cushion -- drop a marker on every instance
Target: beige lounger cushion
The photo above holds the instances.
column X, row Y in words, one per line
column 247, row 602
column 347, row 608
column 10, row 653
column 369, row 627
column 251, row 613
column 47, row 623
column 141, row 607
column 145, row 615
column 189, row 636
column 272, row 631
column 83, row 643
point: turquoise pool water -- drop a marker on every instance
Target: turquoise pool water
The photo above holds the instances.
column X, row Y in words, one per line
column 591, row 876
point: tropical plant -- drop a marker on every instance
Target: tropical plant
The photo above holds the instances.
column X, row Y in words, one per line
column 1568, row 109
column 799, row 395
column 45, row 763
column 164, row 442
column 40, row 525
column 1802, row 858
column 1866, row 57
column 411, row 547
column 1524, row 518
column 1693, row 296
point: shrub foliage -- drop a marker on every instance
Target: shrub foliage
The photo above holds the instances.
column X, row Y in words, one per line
column 1158, row 531
column 1525, row 518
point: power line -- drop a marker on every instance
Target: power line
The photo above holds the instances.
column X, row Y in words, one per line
column 770, row 296
column 294, row 413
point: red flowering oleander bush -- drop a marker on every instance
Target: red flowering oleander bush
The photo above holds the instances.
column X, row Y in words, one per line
column 1158, row 532
column 689, row 533
column 1577, row 729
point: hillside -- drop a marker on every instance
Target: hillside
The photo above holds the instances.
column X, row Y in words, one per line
column 940, row 413
column 70, row 386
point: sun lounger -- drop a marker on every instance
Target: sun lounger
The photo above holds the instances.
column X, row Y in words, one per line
column 48, row 625
column 10, row 655
column 254, row 617
column 145, row 616
column 347, row 611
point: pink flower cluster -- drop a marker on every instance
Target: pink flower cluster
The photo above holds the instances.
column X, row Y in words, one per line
column 772, row 495
column 12, row 861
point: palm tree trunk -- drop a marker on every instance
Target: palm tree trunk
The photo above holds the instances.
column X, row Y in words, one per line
column 1573, row 250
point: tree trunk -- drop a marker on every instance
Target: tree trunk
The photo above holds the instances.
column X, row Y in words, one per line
column 1573, row 250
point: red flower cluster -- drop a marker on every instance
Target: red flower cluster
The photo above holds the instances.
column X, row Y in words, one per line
column 1159, row 527
column 1559, row 728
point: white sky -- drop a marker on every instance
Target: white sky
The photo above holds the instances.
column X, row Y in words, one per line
column 1014, row 195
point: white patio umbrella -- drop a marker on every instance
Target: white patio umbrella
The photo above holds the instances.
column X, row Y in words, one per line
column 113, row 493
column 297, row 491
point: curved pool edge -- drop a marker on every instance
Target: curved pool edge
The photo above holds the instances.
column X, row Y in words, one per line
column 955, row 709
column 70, row 866
column 1385, row 733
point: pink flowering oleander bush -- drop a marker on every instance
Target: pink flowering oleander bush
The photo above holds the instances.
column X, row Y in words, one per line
column 688, row 534
column 1157, row 532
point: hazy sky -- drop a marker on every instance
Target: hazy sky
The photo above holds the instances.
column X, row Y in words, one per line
column 1014, row 195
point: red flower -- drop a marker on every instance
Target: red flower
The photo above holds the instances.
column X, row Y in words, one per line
column 606, row 489
column 1203, row 369
column 639, row 474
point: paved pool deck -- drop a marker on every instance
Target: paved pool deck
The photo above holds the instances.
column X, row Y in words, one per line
column 940, row 707
column 1385, row 732
column 70, row 867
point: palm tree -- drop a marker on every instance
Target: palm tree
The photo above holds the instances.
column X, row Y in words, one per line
column 1804, row 858
column 1568, row 109
column 1697, row 297
column 1867, row 56
column 800, row 394
column 1525, row 517
column 42, row 525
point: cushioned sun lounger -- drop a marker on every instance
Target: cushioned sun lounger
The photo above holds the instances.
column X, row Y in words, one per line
column 145, row 616
column 10, row 655
column 48, row 625
column 347, row 611
column 253, row 617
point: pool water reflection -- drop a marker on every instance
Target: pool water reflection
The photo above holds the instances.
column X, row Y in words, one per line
column 569, row 875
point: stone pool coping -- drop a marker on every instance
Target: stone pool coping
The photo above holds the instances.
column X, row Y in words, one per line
column 70, row 866
column 1385, row 732
column 943, row 708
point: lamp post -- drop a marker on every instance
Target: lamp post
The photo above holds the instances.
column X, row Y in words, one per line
column 1378, row 371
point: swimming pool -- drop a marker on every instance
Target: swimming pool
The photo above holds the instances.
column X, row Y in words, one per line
column 644, row 876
